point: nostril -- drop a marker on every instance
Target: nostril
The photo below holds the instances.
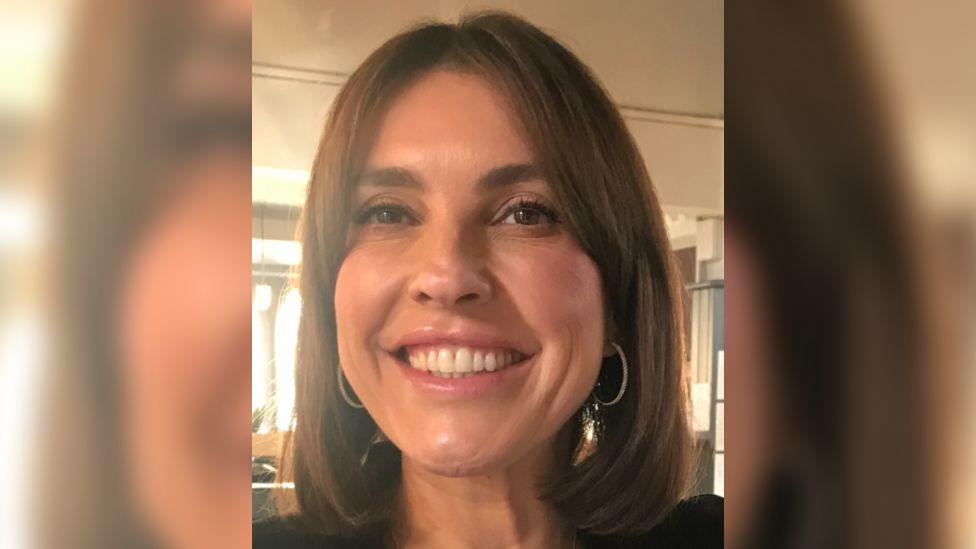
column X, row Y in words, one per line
column 449, row 291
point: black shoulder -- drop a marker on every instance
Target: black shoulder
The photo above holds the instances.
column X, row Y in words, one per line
column 284, row 533
column 280, row 533
column 695, row 523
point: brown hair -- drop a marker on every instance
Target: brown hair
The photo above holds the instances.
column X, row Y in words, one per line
column 639, row 466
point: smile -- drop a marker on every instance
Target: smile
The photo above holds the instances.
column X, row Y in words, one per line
column 458, row 361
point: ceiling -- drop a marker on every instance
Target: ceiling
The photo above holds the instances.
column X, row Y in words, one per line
column 662, row 61
column 661, row 54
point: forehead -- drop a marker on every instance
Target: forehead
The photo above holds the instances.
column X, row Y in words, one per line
column 449, row 121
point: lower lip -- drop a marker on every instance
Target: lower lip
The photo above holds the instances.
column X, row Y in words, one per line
column 476, row 385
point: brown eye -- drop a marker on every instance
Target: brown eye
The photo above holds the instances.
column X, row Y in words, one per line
column 528, row 213
column 383, row 214
column 525, row 216
column 388, row 217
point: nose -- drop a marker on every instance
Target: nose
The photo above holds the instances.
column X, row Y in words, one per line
column 450, row 272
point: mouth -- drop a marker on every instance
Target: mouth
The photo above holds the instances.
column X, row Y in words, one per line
column 450, row 361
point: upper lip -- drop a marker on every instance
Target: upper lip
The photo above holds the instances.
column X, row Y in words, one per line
column 460, row 337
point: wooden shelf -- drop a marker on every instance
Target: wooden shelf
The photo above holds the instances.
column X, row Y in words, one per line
column 266, row 444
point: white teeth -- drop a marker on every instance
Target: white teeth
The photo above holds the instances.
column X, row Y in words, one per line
column 445, row 360
column 490, row 362
column 462, row 360
column 457, row 362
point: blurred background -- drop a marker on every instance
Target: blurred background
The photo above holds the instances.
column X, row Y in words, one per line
column 850, row 274
column 848, row 241
column 662, row 63
column 124, row 214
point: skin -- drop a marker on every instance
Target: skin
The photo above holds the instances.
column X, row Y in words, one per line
column 449, row 253
column 185, row 346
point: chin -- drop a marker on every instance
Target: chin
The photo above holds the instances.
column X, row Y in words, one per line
column 455, row 461
column 453, row 471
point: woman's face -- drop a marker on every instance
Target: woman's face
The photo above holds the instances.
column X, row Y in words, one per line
column 185, row 333
column 458, row 262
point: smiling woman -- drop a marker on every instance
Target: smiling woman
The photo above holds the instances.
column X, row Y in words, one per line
column 490, row 347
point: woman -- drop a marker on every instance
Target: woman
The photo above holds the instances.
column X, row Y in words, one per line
column 490, row 349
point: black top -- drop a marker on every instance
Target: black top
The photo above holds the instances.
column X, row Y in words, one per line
column 696, row 523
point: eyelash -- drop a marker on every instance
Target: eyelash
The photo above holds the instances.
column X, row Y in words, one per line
column 365, row 216
column 530, row 204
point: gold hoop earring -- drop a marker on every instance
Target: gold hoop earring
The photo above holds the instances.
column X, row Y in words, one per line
column 623, row 382
column 342, row 391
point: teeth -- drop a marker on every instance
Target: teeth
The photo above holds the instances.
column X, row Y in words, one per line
column 458, row 362
column 462, row 360
column 445, row 360
column 490, row 362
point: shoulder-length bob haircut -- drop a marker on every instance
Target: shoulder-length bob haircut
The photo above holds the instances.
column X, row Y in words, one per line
column 637, row 467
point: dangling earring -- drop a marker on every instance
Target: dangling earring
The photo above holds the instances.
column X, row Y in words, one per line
column 623, row 382
column 342, row 390
column 378, row 438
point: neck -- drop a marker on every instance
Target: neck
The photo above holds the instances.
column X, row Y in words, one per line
column 500, row 509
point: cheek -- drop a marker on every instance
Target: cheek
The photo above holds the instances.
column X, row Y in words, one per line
column 184, row 342
column 364, row 296
column 557, row 290
column 558, row 293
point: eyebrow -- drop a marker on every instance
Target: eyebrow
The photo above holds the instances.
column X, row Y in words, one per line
column 391, row 177
column 502, row 176
column 510, row 174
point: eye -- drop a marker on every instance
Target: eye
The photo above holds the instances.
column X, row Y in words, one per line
column 528, row 212
column 383, row 214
